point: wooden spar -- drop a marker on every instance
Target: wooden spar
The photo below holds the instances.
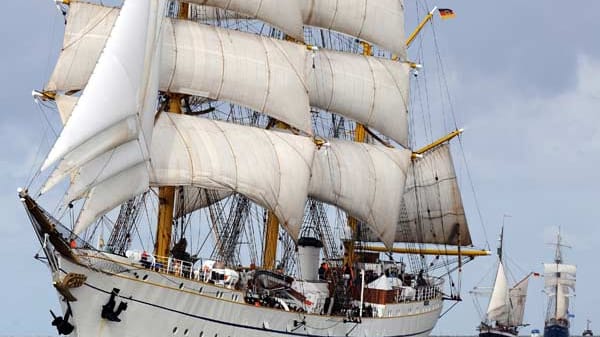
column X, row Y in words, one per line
column 429, row 251
column 271, row 236
column 417, row 30
column 437, row 143
column 272, row 226
column 166, row 201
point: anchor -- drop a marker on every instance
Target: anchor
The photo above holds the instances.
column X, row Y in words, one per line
column 62, row 324
column 108, row 310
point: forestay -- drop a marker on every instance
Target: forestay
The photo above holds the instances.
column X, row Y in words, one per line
column 370, row 90
column 380, row 22
column 366, row 181
column 269, row 167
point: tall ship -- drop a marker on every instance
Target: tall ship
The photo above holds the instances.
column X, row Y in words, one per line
column 506, row 307
column 244, row 168
column 559, row 286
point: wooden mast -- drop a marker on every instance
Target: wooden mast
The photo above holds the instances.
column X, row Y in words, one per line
column 272, row 227
column 166, row 194
column 360, row 136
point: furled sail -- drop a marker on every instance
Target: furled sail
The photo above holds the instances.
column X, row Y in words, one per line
column 282, row 14
column 370, row 90
column 367, row 181
column 432, row 209
column 518, row 297
column 269, row 167
column 499, row 306
column 380, row 22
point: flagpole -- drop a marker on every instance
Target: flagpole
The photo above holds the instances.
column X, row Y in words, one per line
column 420, row 27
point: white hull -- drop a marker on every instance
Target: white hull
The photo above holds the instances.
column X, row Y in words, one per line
column 165, row 305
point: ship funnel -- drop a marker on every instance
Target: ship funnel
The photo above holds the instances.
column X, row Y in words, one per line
column 309, row 253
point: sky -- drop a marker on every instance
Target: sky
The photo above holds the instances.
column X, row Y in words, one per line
column 524, row 81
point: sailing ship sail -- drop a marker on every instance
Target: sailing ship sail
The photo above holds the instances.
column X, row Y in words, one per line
column 506, row 308
column 129, row 85
column 559, row 286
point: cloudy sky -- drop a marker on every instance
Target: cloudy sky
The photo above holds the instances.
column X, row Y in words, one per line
column 524, row 77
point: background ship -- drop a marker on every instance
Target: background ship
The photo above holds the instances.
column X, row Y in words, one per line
column 262, row 158
column 559, row 286
column 506, row 307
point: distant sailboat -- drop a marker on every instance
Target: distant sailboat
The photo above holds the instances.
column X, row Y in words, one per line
column 559, row 284
column 506, row 307
column 588, row 331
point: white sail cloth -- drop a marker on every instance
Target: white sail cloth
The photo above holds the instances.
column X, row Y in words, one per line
column 267, row 75
column 432, row 209
column 499, row 306
column 189, row 199
column 367, row 181
column 283, row 14
column 372, row 91
column 518, row 297
column 559, row 274
column 112, row 120
column 258, row 72
column 271, row 168
column 380, row 22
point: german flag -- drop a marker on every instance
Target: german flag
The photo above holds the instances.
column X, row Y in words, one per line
column 446, row 13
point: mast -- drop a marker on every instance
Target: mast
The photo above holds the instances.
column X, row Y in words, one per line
column 166, row 200
column 166, row 194
column 271, row 236
column 360, row 136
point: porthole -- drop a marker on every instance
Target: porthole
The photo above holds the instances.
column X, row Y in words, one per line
column 200, row 290
column 145, row 277
column 181, row 285
column 186, row 332
column 201, row 334
column 175, row 330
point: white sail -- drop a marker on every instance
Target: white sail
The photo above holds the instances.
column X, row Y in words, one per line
column 111, row 192
column 258, row 72
column 563, row 275
column 380, row 22
column 367, row 181
column 372, row 91
column 86, row 32
column 271, row 168
column 499, row 306
column 268, row 75
column 518, row 297
column 432, row 209
column 189, row 199
column 116, row 89
column 65, row 105
column 282, row 14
